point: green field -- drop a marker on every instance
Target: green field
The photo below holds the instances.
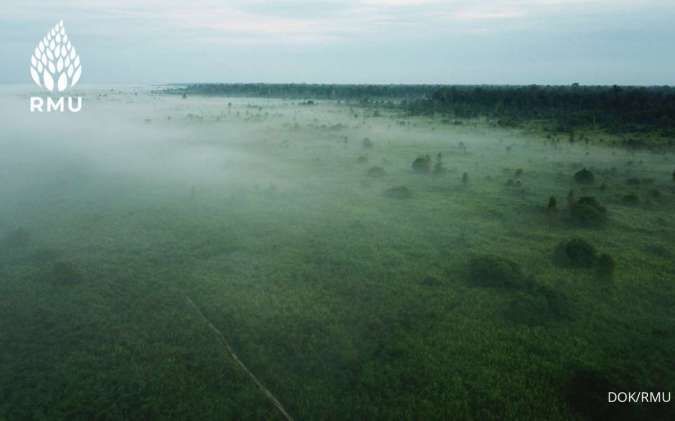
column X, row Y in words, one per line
column 445, row 299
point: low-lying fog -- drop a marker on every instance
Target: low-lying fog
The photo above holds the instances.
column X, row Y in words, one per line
column 342, row 276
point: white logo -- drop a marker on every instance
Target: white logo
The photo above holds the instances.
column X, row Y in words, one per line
column 56, row 67
column 55, row 64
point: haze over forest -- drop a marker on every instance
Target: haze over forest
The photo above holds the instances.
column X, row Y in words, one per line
column 424, row 232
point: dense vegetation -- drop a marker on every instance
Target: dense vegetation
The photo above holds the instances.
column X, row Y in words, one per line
column 616, row 109
column 365, row 93
column 364, row 265
column 648, row 112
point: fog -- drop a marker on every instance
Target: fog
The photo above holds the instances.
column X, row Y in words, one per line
column 342, row 271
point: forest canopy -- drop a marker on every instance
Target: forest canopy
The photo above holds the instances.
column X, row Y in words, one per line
column 617, row 109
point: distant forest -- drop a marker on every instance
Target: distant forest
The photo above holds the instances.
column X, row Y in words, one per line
column 616, row 109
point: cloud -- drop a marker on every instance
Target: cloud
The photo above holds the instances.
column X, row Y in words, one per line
column 324, row 20
column 407, row 40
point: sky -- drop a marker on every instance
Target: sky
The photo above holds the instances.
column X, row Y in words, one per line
column 625, row 42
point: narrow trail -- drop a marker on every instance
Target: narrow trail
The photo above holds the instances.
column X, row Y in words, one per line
column 229, row 350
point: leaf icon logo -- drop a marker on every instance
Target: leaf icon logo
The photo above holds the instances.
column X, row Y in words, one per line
column 55, row 64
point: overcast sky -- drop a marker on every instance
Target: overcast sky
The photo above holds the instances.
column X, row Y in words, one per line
column 351, row 41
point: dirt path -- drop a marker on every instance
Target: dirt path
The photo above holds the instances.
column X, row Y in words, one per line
column 229, row 350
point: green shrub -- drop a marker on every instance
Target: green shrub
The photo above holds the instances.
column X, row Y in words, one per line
column 575, row 252
column 422, row 165
column 630, row 199
column 495, row 271
column 584, row 176
column 587, row 212
column 398, row 192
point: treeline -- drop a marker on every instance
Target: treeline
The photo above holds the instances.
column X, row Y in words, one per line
column 618, row 109
column 362, row 93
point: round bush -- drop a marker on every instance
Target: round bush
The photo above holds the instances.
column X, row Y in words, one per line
column 422, row 165
column 495, row 271
column 575, row 252
column 630, row 199
column 588, row 212
column 584, row 176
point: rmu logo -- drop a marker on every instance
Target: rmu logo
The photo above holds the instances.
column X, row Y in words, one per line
column 56, row 67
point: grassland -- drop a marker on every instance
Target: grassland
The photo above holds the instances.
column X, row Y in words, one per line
column 347, row 302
